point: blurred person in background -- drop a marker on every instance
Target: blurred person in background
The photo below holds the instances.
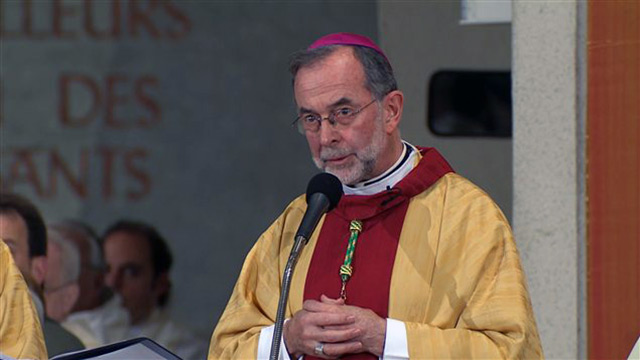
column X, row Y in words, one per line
column 61, row 289
column 93, row 291
column 24, row 232
column 138, row 262
column 96, row 308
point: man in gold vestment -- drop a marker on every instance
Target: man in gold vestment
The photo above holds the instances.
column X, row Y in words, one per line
column 414, row 261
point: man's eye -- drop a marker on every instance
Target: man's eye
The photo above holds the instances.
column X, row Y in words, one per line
column 344, row 111
column 131, row 271
column 309, row 118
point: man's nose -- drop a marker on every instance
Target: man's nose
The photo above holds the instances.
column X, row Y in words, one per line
column 328, row 133
column 113, row 280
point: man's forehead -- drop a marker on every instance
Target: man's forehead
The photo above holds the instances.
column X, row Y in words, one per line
column 129, row 259
column 130, row 242
column 338, row 78
column 342, row 59
column 10, row 215
column 12, row 221
column 340, row 102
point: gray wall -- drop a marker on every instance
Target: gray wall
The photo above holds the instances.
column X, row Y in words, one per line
column 422, row 37
column 549, row 201
column 198, row 142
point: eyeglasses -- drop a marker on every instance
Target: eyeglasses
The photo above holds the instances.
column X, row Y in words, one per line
column 310, row 123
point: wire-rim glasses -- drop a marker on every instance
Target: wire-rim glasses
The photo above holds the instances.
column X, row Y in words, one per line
column 344, row 115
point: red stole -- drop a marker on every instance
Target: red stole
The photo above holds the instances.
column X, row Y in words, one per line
column 382, row 216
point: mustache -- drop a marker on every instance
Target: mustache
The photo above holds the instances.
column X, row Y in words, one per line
column 332, row 153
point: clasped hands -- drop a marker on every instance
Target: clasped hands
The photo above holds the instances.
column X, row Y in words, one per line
column 334, row 328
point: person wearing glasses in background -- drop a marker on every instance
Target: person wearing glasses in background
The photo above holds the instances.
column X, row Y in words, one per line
column 75, row 291
column 77, row 253
column 61, row 289
column 414, row 262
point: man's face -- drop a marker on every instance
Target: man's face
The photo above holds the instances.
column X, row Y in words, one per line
column 91, row 279
column 14, row 232
column 357, row 152
column 130, row 273
column 60, row 294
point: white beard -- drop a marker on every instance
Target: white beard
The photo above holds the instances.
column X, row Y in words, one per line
column 361, row 167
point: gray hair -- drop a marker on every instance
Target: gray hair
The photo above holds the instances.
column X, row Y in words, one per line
column 69, row 257
column 379, row 75
column 78, row 227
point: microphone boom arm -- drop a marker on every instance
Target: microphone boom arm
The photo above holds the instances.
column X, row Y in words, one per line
column 298, row 245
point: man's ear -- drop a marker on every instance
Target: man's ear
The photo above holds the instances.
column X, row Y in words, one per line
column 162, row 284
column 38, row 269
column 393, row 104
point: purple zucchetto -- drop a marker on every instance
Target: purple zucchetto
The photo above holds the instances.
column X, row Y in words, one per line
column 346, row 39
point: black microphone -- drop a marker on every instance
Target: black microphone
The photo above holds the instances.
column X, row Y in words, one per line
column 323, row 194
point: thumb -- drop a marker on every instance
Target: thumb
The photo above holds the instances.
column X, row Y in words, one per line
column 327, row 300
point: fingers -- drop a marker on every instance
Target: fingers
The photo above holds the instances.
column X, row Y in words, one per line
column 307, row 319
column 326, row 304
column 312, row 336
column 327, row 300
column 336, row 336
column 339, row 327
column 305, row 329
column 329, row 305
column 333, row 351
column 329, row 319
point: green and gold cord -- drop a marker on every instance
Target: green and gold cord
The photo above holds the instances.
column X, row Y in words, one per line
column 346, row 270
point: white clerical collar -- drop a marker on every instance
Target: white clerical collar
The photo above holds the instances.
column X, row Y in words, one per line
column 389, row 178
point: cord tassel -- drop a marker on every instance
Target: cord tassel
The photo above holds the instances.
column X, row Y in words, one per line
column 346, row 270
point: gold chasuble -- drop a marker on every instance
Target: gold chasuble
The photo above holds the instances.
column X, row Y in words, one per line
column 20, row 331
column 434, row 252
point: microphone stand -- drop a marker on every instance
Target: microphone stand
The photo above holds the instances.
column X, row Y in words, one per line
column 298, row 245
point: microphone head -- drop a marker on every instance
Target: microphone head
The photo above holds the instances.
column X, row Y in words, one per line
column 326, row 184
